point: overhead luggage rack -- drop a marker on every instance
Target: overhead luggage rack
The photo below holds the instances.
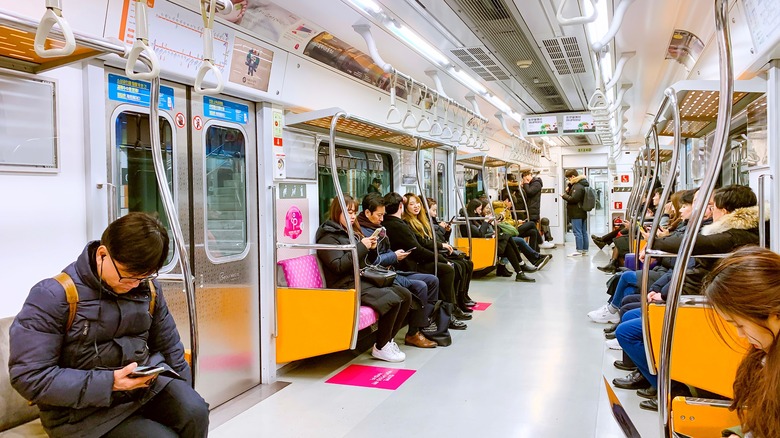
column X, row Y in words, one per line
column 664, row 155
column 360, row 128
column 698, row 102
column 481, row 158
column 18, row 53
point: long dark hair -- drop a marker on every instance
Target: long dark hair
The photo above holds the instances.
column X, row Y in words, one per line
column 335, row 213
column 747, row 284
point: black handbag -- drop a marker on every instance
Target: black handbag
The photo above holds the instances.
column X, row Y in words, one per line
column 377, row 275
column 441, row 315
column 456, row 254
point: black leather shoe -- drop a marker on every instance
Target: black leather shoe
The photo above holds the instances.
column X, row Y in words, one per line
column 635, row 380
column 520, row 276
column 457, row 325
column 527, row 267
column 649, row 405
column 609, row 269
column 598, row 241
column 649, row 393
column 459, row 314
column 619, row 364
column 611, row 328
column 609, row 336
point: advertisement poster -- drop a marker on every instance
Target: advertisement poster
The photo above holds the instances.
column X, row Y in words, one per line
column 578, row 124
column 293, row 224
column 544, row 125
column 250, row 65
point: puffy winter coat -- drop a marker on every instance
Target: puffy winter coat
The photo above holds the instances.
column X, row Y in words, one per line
column 69, row 374
column 533, row 197
column 574, row 198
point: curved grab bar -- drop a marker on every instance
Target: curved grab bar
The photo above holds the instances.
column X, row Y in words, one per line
column 52, row 16
column 434, row 74
column 619, row 99
column 577, row 20
column 671, row 94
column 614, row 26
column 364, row 29
column 762, row 208
column 208, row 52
column 619, row 69
column 141, row 45
column 719, row 145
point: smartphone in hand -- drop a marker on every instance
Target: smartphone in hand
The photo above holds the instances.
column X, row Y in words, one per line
column 377, row 232
column 410, row 249
column 145, row 371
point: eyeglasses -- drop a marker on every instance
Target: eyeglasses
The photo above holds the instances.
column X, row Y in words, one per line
column 123, row 279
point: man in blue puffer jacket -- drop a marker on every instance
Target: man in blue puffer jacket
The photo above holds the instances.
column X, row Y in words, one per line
column 78, row 371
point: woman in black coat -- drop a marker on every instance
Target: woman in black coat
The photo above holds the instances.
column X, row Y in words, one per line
column 392, row 303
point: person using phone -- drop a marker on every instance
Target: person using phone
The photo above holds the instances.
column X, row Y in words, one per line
column 80, row 374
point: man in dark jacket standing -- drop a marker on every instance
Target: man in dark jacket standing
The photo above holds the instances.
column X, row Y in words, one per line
column 76, row 363
column 532, row 187
column 575, row 193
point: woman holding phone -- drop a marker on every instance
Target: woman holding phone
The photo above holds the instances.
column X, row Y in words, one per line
column 392, row 303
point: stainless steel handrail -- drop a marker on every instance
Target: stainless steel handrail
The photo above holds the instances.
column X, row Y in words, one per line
column 424, row 199
column 490, row 203
column 720, row 143
column 459, row 195
column 628, row 217
column 352, row 240
column 762, row 209
column 671, row 95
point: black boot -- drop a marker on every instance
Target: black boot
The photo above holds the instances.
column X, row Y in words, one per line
column 502, row 271
column 609, row 268
column 520, row 276
column 598, row 241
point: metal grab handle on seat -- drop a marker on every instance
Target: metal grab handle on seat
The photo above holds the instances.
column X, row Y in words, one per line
column 53, row 16
column 208, row 52
column 141, row 45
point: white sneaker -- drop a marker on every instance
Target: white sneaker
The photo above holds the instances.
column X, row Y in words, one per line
column 547, row 245
column 599, row 311
column 575, row 254
column 604, row 316
column 388, row 353
column 613, row 344
column 395, row 346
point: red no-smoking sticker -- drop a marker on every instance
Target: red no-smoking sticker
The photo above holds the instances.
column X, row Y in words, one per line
column 180, row 120
column 197, row 122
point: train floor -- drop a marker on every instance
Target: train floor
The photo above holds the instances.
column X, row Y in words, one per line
column 530, row 365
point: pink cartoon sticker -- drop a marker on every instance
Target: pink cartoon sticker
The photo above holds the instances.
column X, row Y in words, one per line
column 292, row 223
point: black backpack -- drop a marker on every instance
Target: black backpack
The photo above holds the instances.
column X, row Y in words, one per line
column 589, row 199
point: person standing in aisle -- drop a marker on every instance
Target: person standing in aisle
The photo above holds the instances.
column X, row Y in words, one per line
column 574, row 195
column 532, row 188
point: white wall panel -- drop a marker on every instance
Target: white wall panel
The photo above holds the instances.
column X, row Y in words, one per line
column 42, row 225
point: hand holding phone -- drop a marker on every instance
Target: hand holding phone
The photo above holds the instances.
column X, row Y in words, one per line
column 377, row 232
column 410, row 249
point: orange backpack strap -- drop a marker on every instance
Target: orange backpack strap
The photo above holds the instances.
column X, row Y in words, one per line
column 71, row 294
column 153, row 297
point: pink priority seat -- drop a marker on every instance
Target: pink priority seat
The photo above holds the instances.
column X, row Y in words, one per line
column 305, row 272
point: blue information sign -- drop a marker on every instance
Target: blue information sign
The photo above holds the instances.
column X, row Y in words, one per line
column 128, row 90
column 225, row 110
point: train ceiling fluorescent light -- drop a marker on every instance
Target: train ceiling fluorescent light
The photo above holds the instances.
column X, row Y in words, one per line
column 417, row 43
column 369, row 6
column 467, row 80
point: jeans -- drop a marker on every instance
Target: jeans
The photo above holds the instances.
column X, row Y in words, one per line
column 580, row 229
column 526, row 249
column 627, row 285
column 629, row 336
column 177, row 411
column 426, row 288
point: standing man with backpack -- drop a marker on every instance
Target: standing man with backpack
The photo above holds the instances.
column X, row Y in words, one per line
column 580, row 199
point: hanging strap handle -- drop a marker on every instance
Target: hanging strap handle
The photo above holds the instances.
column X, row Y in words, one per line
column 141, row 45
column 208, row 51
column 52, row 16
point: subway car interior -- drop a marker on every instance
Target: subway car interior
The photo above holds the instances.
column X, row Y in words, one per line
column 522, row 162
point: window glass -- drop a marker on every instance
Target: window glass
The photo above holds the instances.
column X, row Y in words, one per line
column 474, row 184
column 226, row 207
column 359, row 172
column 135, row 179
column 441, row 184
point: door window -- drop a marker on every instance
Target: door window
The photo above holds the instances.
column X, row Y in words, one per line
column 135, row 179
column 226, row 206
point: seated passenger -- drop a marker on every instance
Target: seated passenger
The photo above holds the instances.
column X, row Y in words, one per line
column 414, row 215
column 744, row 289
column 424, row 287
column 525, row 228
column 76, row 364
column 506, row 247
column 443, row 232
column 421, row 259
column 735, row 224
column 521, row 229
column 391, row 303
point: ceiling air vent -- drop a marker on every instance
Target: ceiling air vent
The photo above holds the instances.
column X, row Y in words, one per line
column 565, row 55
column 478, row 60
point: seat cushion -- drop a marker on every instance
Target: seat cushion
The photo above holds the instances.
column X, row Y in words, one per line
column 33, row 429
column 367, row 317
column 302, row 272
column 14, row 409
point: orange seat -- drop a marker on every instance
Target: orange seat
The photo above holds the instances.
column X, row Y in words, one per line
column 484, row 250
column 700, row 417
